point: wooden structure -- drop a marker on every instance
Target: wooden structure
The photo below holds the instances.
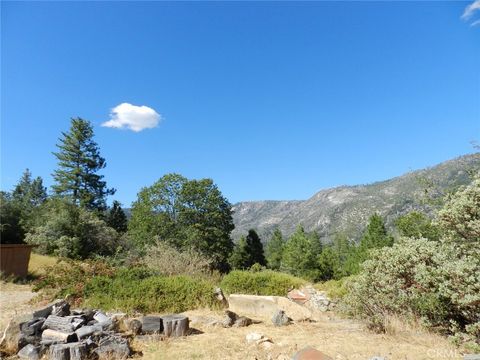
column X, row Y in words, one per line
column 14, row 259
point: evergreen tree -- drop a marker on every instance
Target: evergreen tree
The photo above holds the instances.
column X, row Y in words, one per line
column 255, row 248
column 300, row 254
column 79, row 161
column 116, row 218
column 240, row 257
column 274, row 250
column 20, row 208
column 374, row 237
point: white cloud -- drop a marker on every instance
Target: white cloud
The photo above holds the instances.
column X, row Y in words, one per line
column 470, row 10
column 132, row 117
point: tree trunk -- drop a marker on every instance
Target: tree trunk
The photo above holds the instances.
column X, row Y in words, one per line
column 175, row 325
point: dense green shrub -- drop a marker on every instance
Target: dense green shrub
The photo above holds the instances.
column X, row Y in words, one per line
column 419, row 278
column 96, row 284
column 266, row 282
column 137, row 290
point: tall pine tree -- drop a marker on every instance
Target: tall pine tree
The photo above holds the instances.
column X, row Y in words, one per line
column 79, row 161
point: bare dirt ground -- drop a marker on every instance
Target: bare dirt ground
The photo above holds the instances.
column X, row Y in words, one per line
column 14, row 300
column 341, row 339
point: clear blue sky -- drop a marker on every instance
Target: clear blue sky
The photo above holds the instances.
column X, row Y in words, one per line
column 270, row 100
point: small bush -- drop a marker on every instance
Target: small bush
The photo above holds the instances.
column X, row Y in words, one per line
column 168, row 260
column 68, row 277
column 265, row 282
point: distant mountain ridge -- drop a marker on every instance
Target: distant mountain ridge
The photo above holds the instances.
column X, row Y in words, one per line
column 347, row 208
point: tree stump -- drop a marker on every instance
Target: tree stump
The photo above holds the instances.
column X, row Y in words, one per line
column 175, row 325
column 152, row 324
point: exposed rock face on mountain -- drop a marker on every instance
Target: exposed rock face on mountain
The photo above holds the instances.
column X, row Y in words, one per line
column 347, row 208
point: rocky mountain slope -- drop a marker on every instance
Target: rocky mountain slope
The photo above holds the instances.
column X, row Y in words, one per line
column 347, row 208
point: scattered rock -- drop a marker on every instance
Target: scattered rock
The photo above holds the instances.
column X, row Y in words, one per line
column 309, row 353
column 471, row 357
column 232, row 319
column 280, row 318
column 298, row 296
column 379, row 358
column 220, row 297
column 253, row 337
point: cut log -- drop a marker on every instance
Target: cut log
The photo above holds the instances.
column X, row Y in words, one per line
column 152, row 324
column 32, row 327
column 62, row 324
column 112, row 347
column 29, row 352
column 86, row 331
column 175, row 325
column 61, row 308
column 58, row 336
column 101, row 317
column 78, row 350
column 59, row 352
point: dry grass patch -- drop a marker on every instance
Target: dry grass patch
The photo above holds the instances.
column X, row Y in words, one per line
column 339, row 338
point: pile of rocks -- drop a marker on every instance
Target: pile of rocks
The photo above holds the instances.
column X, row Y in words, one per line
column 311, row 298
column 64, row 334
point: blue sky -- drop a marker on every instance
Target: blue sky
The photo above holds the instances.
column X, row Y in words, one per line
column 270, row 100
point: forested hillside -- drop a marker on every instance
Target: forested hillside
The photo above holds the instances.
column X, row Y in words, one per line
column 346, row 209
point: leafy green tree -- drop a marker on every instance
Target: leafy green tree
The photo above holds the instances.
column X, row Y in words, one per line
column 116, row 218
column 328, row 263
column 71, row 231
column 79, row 161
column 186, row 214
column 240, row 257
column 417, row 225
column 274, row 250
column 11, row 232
column 300, row 254
column 20, row 208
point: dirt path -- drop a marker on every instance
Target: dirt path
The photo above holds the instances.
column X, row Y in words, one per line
column 14, row 301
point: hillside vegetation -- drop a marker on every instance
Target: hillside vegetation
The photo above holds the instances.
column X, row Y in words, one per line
column 346, row 209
